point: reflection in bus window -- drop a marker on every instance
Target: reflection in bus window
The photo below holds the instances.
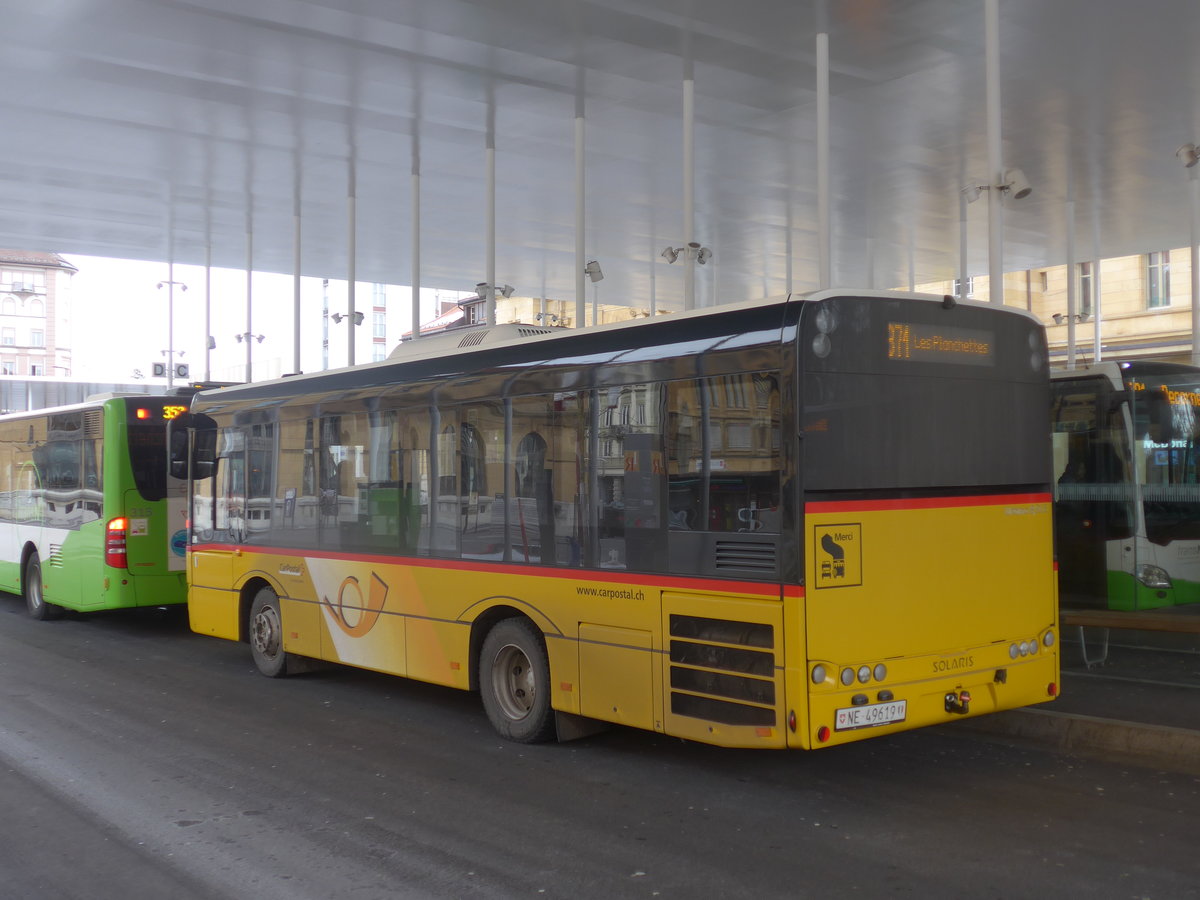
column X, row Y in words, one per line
column 723, row 454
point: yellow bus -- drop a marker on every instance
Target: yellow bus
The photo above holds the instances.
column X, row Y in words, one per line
column 793, row 523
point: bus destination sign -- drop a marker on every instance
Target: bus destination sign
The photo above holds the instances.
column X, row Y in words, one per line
column 922, row 342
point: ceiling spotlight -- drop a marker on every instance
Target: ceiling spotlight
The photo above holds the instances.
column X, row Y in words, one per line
column 1016, row 184
column 1189, row 155
column 670, row 254
column 337, row 318
column 703, row 255
column 507, row 290
column 592, row 270
column 972, row 190
column 1058, row 318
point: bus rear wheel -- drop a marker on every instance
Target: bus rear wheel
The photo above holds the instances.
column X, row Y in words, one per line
column 266, row 634
column 514, row 679
column 35, row 601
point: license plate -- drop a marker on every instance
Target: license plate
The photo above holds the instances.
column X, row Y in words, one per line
column 871, row 715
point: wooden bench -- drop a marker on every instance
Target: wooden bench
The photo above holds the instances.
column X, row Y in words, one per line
column 1155, row 620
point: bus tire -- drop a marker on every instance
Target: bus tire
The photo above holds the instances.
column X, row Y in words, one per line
column 514, row 679
column 35, row 601
column 265, row 629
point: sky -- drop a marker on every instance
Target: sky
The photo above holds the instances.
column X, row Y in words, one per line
column 119, row 320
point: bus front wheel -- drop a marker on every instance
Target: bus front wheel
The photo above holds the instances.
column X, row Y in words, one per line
column 266, row 634
column 35, row 601
column 514, row 679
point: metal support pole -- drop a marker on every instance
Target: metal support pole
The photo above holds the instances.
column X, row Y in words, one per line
column 689, row 185
column 1194, row 249
column 208, row 340
column 1072, row 302
column 994, row 148
column 1097, row 319
column 912, row 259
column 416, row 252
column 296, row 288
column 351, row 273
column 580, row 221
column 490, row 172
column 962, row 245
column 824, row 224
column 249, row 302
column 170, row 324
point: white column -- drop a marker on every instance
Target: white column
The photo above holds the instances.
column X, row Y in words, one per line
column 208, row 340
column 351, row 271
column 249, row 336
column 824, row 225
column 416, row 251
column 1097, row 318
column 170, row 322
column 489, row 163
column 689, row 185
column 994, row 148
column 580, row 222
column 296, row 282
column 1194, row 249
column 1072, row 265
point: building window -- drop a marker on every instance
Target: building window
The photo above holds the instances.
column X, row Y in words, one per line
column 378, row 353
column 37, row 338
column 1158, row 279
column 8, row 337
column 9, row 306
column 969, row 292
column 8, row 367
column 37, row 308
column 1084, row 285
column 379, row 323
column 37, row 369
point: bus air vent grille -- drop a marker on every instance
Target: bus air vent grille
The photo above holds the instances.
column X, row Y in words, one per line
column 93, row 423
column 722, row 670
column 55, row 559
column 758, row 555
column 474, row 339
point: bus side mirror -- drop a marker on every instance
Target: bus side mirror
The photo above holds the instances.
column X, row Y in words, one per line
column 202, row 457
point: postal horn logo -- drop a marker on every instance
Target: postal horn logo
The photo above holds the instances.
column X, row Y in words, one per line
column 351, row 613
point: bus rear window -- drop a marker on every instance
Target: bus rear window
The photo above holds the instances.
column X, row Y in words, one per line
column 146, row 423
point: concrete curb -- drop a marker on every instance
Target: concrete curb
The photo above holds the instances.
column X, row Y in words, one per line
column 1177, row 749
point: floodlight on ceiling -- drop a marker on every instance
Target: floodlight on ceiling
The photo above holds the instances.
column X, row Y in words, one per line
column 592, row 271
column 1189, row 155
column 703, row 255
column 1015, row 185
column 671, row 254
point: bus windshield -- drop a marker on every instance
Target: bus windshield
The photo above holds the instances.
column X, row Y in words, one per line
column 1165, row 412
column 147, row 436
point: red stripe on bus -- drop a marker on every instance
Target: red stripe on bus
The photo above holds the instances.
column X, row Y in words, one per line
column 924, row 503
column 770, row 589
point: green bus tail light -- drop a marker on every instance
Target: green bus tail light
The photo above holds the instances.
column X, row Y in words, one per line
column 114, row 543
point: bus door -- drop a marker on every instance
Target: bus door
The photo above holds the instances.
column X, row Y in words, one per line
column 1094, row 513
column 218, row 529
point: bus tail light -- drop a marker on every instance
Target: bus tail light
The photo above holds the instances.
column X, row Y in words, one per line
column 114, row 543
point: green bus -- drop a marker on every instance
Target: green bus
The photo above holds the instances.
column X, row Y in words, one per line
column 1126, row 442
column 90, row 516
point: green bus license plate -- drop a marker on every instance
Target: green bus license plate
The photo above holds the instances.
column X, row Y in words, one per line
column 871, row 715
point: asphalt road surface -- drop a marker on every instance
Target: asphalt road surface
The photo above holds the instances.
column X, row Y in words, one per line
column 138, row 760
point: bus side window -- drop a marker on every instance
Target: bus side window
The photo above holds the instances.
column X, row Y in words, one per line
column 481, row 467
column 545, row 511
column 724, row 453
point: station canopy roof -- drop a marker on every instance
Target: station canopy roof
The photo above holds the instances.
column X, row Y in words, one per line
column 154, row 129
